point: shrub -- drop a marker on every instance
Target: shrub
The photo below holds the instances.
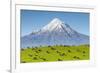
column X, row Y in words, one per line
column 83, row 51
column 36, row 55
column 59, row 59
column 30, row 55
column 35, row 58
column 78, row 57
column 74, row 57
column 48, row 52
column 36, row 51
column 22, row 49
column 53, row 48
column 23, row 61
column 39, row 50
column 63, row 54
column 44, row 59
column 57, row 51
column 69, row 51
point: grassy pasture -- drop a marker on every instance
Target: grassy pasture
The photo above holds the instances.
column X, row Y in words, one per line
column 54, row 53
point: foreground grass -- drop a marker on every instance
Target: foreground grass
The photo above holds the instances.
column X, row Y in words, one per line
column 54, row 53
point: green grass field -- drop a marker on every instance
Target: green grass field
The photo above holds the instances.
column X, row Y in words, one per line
column 54, row 53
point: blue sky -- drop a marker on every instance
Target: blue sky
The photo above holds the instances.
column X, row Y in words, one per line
column 32, row 20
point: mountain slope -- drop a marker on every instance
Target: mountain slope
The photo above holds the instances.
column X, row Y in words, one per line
column 54, row 33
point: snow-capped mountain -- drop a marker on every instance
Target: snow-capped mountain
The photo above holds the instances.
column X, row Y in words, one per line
column 54, row 33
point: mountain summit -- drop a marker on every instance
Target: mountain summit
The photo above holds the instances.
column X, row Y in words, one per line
column 55, row 32
column 54, row 24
